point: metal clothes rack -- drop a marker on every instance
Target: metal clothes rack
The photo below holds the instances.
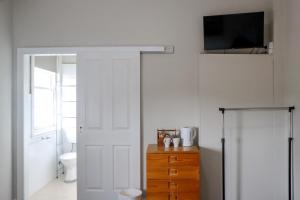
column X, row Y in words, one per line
column 290, row 141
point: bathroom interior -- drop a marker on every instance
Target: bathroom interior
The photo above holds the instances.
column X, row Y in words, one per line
column 51, row 148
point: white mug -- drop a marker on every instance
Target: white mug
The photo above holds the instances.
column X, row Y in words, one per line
column 176, row 142
column 167, row 142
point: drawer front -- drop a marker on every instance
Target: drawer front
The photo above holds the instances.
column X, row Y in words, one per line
column 173, row 196
column 187, row 196
column 171, row 173
column 154, row 186
column 158, row 196
column 158, row 160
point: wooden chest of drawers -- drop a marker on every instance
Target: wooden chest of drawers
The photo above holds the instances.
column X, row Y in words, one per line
column 173, row 174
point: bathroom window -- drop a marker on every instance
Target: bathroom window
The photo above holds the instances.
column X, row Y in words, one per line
column 43, row 101
column 68, row 87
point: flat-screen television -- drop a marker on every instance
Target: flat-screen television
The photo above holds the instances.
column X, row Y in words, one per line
column 234, row 31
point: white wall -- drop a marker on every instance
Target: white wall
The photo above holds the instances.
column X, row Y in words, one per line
column 41, row 163
column 169, row 82
column 280, row 45
column 5, row 99
column 292, row 80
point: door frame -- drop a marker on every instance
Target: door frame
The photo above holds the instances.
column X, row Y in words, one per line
column 19, row 113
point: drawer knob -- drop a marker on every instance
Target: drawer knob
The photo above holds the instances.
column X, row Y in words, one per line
column 173, row 172
column 173, row 158
column 173, row 196
column 172, row 186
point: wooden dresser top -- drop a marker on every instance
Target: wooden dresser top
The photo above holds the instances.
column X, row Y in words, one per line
column 153, row 148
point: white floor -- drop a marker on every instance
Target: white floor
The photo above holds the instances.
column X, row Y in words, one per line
column 57, row 190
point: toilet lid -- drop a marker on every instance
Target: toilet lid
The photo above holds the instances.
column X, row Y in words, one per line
column 68, row 156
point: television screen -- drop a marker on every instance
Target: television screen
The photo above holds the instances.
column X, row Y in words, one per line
column 234, row 31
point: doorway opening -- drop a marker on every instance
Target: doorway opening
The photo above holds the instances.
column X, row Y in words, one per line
column 108, row 137
column 50, row 140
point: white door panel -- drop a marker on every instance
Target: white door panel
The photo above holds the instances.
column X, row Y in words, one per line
column 108, row 123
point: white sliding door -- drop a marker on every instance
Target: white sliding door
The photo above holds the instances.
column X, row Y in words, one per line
column 108, row 124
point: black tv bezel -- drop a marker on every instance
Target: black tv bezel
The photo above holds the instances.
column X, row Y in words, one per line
column 241, row 47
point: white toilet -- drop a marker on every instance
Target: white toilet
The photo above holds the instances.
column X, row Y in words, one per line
column 69, row 160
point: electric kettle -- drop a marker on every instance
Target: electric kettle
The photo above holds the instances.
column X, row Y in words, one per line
column 188, row 136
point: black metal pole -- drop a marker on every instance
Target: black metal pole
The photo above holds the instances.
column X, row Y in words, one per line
column 223, row 168
column 291, row 138
column 290, row 168
column 257, row 108
column 223, row 153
